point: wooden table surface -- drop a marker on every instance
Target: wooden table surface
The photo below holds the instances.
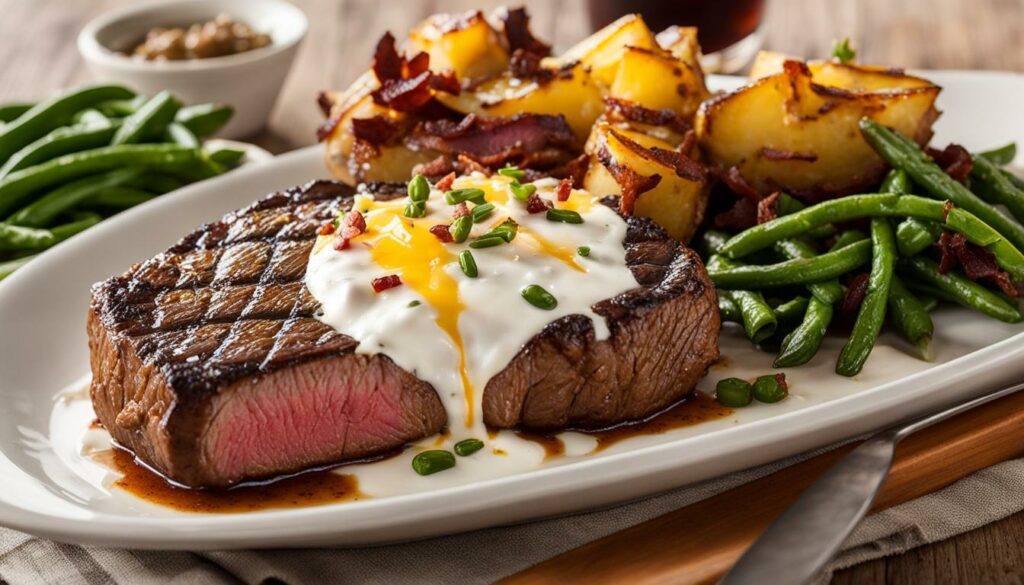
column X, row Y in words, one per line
column 37, row 55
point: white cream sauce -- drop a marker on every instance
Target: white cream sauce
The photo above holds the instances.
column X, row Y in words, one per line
column 465, row 330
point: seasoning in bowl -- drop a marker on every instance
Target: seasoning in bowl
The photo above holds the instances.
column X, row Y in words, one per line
column 220, row 37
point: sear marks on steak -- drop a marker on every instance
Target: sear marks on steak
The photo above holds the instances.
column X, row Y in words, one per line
column 209, row 363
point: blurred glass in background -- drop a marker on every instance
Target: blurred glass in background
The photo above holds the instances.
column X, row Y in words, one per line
column 730, row 31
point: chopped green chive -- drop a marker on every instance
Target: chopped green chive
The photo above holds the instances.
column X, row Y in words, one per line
column 538, row 297
column 468, row 263
column 522, row 192
column 583, row 251
column 460, row 228
column 507, row 230
column 467, row 447
column 419, row 188
column 734, row 392
column 433, row 461
column 415, row 209
column 564, row 216
column 511, row 171
column 480, row 212
column 842, row 50
column 486, row 242
column 460, row 195
column 414, row 304
column 770, row 388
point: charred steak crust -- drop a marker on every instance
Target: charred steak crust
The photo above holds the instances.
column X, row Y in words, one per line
column 209, row 363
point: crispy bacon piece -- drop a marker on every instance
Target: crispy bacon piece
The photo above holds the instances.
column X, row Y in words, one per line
column 489, row 137
column 537, row 204
column 856, row 289
column 518, row 35
column 977, row 262
column 684, row 166
column 406, row 85
column 768, row 208
column 441, row 232
column 742, row 215
column 734, row 179
column 563, row 190
column 446, row 82
column 632, row 183
column 325, row 101
column 378, row 130
column 387, row 63
column 446, row 183
column 385, row 282
column 627, row 111
column 954, row 159
column 574, row 170
column 349, row 227
column 328, row 228
column 405, row 95
column 467, row 165
column 524, row 64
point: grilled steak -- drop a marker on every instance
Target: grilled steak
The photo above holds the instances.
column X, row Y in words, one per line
column 208, row 361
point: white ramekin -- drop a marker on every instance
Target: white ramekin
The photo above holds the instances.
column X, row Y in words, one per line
column 249, row 81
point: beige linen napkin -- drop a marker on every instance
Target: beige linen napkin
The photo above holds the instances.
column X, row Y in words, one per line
column 486, row 555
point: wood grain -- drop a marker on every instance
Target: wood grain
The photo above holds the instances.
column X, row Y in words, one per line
column 697, row 544
column 38, row 55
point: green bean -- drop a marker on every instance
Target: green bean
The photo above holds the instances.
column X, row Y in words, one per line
column 467, row 447
column 1017, row 181
column 227, row 156
column 205, row 119
column 800, row 271
column 913, row 236
column 728, row 309
column 901, row 152
column 64, row 140
column 41, row 212
column 7, row 268
column 791, row 312
column 433, row 461
column 910, row 316
column 897, row 182
column 829, row 291
column 1003, row 155
column 923, row 290
column 149, row 121
column 180, row 135
column 959, row 289
column 15, row 187
column 849, row 237
column 734, row 392
column 803, row 342
column 52, row 114
column 929, row 304
column 758, row 318
column 119, row 197
column 121, row 108
column 992, row 185
column 11, row 112
column 872, row 310
column 878, row 205
column 788, row 205
column 710, row 243
column 81, row 222
column 14, row 237
column 157, row 183
column 770, row 389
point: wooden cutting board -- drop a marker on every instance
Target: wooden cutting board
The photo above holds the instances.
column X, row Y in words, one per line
column 698, row 543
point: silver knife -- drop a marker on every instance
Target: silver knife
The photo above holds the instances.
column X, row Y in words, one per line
column 801, row 542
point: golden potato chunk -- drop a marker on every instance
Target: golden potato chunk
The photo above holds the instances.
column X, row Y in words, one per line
column 466, row 44
column 787, row 132
column 655, row 79
column 602, row 51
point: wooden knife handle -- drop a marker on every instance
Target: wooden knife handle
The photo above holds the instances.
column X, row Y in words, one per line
column 698, row 543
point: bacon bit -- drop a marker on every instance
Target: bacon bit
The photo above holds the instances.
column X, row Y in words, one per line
column 684, row 166
column 574, row 170
column 352, row 225
column 446, row 183
column 405, row 95
column 781, row 380
column 768, row 208
column 735, row 180
column 341, row 244
column 328, row 228
column 563, row 190
column 524, row 64
column 518, row 35
column 325, row 101
column 406, row 85
column 742, row 215
column 461, row 210
column 377, row 130
column 856, row 289
column 624, row 110
column 537, row 204
column 954, row 160
column 387, row 63
column 471, row 165
column 385, row 282
column 446, row 82
column 632, row 183
column 441, row 232
column 776, row 154
column 977, row 262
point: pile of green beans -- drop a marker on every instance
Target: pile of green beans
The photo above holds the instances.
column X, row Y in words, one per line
column 71, row 160
column 782, row 280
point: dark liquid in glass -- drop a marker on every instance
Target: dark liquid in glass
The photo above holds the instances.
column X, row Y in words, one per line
column 720, row 23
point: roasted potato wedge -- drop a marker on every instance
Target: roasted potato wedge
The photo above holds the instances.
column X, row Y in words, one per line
column 786, row 132
column 655, row 79
column 602, row 51
column 678, row 200
column 466, row 44
column 841, row 75
column 571, row 93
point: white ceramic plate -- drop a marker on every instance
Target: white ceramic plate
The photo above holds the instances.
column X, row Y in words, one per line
column 42, row 324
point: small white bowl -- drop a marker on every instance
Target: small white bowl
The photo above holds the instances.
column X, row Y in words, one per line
column 249, row 81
